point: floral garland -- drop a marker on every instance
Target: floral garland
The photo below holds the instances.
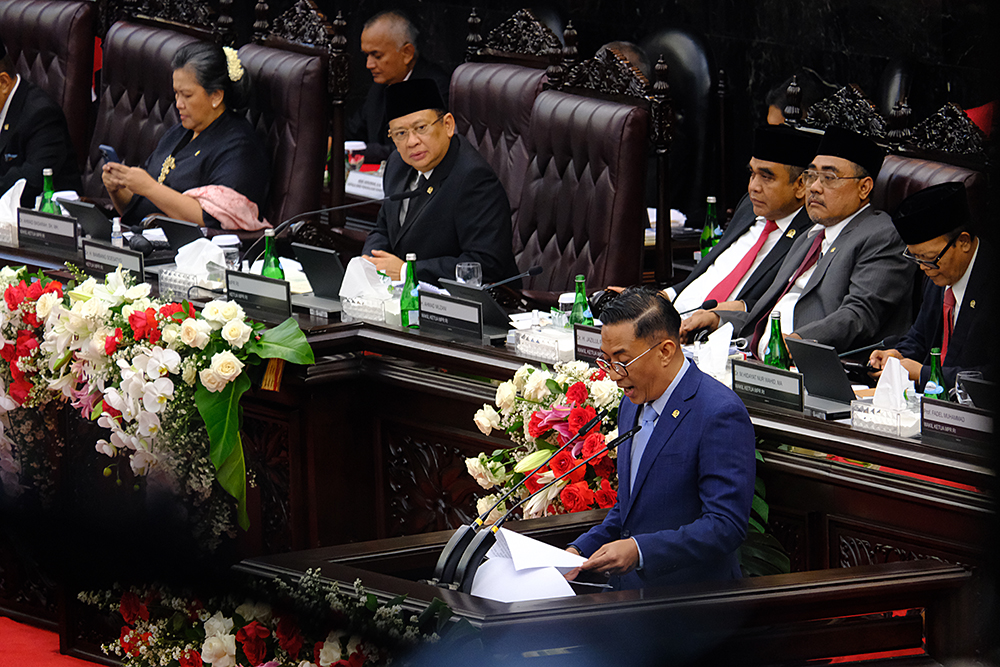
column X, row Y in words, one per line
column 163, row 379
column 540, row 410
column 311, row 624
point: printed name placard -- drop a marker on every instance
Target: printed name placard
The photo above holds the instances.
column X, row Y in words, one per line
column 100, row 259
column 448, row 313
column 264, row 299
column 586, row 342
column 766, row 384
column 46, row 232
column 363, row 184
column 951, row 420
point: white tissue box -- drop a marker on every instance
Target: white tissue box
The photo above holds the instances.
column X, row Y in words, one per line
column 176, row 282
column 550, row 344
column 902, row 423
column 363, row 309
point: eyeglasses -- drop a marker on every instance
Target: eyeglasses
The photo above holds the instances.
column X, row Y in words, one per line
column 929, row 263
column 617, row 367
column 399, row 136
column 827, row 179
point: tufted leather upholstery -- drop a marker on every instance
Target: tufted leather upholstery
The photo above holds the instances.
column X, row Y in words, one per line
column 136, row 105
column 51, row 42
column 492, row 106
column 901, row 176
column 581, row 207
column 289, row 111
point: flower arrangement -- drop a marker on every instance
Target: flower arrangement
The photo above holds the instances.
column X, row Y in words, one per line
column 165, row 380
column 311, row 623
column 540, row 410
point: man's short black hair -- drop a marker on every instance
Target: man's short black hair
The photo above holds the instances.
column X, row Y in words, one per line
column 7, row 65
column 652, row 314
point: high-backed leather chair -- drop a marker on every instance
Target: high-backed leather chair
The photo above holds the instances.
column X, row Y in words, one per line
column 492, row 105
column 901, row 176
column 289, row 111
column 51, row 42
column 136, row 103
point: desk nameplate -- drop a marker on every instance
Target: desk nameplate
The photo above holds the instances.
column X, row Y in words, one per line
column 264, row 299
column 586, row 343
column 951, row 420
column 765, row 384
column 46, row 232
column 100, row 259
column 452, row 314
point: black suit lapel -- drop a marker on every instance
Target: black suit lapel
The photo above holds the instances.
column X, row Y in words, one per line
column 800, row 225
column 13, row 113
column 972, row 308
column 419, row 203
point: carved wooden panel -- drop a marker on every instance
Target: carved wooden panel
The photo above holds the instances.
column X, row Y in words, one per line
column 790, row 528
column 188, row 12
column 854, row 543
column 304, row 23
column 850, row 109
column 428, row 487
column 949, row 130
column 266, row 449
column 608, row 73
column 522, row 34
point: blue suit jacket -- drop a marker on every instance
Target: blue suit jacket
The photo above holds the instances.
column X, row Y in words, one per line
column 690, row 507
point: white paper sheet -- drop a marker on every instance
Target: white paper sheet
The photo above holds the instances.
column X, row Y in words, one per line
column 497, row 579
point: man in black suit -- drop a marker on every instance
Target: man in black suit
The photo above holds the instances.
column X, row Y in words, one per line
column 743, row 264
column 958, row 313
column 33, row 136
column 389, row 44
column 462, row 213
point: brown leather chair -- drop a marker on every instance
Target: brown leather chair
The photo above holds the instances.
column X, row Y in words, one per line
column 51, row 42
column 136, row 104
column 901, row 176
column 581, row 207
column 492, row 104
column 289, row 111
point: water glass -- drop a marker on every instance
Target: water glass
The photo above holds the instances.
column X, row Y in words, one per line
column 469, row 273
column 958, row 392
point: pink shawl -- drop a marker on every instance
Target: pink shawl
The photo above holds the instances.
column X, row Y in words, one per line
column 229, row 207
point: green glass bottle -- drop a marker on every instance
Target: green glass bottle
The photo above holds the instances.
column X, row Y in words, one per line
column 49, row 205
column 777, row 352
column 272, row 267
column 708, row 232
column 581, row 309
column 409, row 303
column 935, row 383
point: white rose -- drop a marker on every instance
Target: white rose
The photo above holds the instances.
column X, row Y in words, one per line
column 189, row 373
column 535, row 389
column 482, row 471
column 219, row 651
column 213, row 312
column 236, row 332
column 218, row 625
column 194, row 333
column 212, row 380
column 252, row 611
column 94, row 309
column 44, row 304
column 230, row 310
column 487, row 419
column 484, row 504
column 170, row 333
column 226, row 365
column 521, row 376
column 604, row 393
column 506, row 396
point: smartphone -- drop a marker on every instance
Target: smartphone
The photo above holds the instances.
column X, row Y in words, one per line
column 109, row 153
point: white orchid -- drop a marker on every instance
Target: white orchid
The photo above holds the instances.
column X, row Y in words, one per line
column 149, row 424
column 155, row 394
column 161, row 362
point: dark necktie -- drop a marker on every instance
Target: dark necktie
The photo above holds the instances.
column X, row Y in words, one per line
column 724, row 289
column 949, row 320
column 411, row 207
column 807, row 263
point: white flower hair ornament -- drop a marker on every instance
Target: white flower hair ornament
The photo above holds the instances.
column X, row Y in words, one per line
column 233, row 63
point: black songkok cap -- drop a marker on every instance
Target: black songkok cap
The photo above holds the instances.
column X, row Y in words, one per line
column 406, row 97
column 784, row 145
column 849, row 145
column 932, row 212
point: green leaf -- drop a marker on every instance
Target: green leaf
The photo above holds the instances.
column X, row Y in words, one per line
column 759, row 488
column 756, row 525
column 759, row 505
column 371, row 603
column 232, row 476
column 221, row 413
column 553, row 386
column 285, row 341
column 98, row 409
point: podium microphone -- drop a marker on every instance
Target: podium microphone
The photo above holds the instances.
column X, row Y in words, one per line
column 533, row 271
column 444, row 571
column 485, row 539
column 708, row 305
column 887, row 342
column 399, row 196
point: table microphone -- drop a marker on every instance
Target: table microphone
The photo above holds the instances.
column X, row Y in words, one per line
column 533, row 271
column 485, row 539
column 708, row 305
column 887, row 342
column 444, row 571
column 399, row 196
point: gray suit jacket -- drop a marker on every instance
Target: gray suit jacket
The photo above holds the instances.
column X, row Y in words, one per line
column 859, row 293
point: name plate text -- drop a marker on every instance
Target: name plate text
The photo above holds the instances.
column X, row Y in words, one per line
column 951, row 420
column 586, row 343
column 46, row 232
column 100, row 259
column 452, row 314
column 766, row 384
column 264, row 299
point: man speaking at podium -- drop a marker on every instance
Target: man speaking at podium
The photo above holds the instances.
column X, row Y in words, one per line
column 461, row 213
column 686, row 480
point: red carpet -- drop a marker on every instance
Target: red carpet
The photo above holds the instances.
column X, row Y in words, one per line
column 22, row 645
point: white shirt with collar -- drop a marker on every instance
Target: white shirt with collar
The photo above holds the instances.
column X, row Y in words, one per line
column 6, row 105
column 405, row 206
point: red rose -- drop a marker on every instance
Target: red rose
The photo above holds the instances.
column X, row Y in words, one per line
column 137, row 320
column 8, row 352
column 593, row 444
column 14, row 295
column 31, row 319
column 26, row 342
column 533, row 425
column 532, row 483
column 252, row 636
column 35, row 290
column 289, row 637
column 111, row 342
column 54, row 286
column 564, row 461
column 578, row 418
column 577, row 497
column 577, row 393
column 190, row 658
column 171, row 309
column 131, row 640
column 19, row 389
column 606, row 497
column 597, row 375
column 604, row 466
column 131, row 608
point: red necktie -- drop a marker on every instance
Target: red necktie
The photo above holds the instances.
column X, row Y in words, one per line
column 724, row 289
column 949, row 320
column 807, row 263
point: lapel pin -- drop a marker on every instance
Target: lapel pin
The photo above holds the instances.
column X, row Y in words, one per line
column 197, row 153
column 430, row 189
column 833, row 248
column 972, row 304
column 675, row 413
column 791, row 234
column 7, row 126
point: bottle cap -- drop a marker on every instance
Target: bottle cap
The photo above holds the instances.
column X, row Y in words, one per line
column 47, row 171
column 580, row 276
column 710, row 199
column 411, row 257
column 269, row 232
